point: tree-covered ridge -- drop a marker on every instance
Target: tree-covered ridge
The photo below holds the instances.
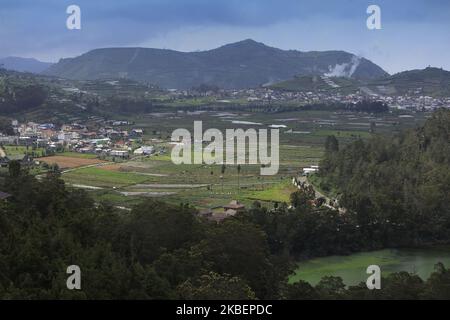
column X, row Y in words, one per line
column 20, row 92
column 398, row 187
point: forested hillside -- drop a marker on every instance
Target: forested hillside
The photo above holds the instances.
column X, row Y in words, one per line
column 245, row 64
column 398, row 186
column 20, row 92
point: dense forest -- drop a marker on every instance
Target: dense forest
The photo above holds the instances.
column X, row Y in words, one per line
column 166, row 251
column 20, row 92
column 397, row 187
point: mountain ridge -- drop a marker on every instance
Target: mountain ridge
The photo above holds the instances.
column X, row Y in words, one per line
column 236, row 65
column 24, row 64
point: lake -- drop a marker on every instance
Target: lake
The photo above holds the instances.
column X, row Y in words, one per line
column 352, row 268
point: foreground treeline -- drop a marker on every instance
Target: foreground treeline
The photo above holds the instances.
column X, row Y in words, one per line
column 162, row 251
column 157, row 251
column 397, row 187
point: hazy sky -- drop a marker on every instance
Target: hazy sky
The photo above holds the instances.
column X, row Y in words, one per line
column 415, row 33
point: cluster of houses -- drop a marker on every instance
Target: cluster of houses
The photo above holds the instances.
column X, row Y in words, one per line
column 417, row 102
column 227, row 211
column 109, row 140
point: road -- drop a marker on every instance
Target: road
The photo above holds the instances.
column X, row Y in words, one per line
column 101, row 164
column 318, row 194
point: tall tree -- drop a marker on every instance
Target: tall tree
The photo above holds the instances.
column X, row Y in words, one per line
column 331, row 144
column 238, row 175
column 222, row 172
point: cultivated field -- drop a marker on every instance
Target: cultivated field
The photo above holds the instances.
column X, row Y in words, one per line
column 69, row 162
column 20, row 151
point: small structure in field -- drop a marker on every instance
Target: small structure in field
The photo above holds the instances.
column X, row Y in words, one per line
column 233, row 208
column 229, row 210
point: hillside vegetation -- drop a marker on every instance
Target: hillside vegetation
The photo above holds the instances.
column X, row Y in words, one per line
column 317, row 83
column 429, row 81
column 20, row 92
column 398, row 186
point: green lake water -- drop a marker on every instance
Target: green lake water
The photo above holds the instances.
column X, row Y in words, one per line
column 352, row 268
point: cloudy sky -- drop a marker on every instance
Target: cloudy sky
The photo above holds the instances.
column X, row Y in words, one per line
column 414, row 34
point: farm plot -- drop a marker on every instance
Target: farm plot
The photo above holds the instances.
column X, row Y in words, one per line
column 20, row 151
column 65, row 162
column 98, row 177
column 280, row 192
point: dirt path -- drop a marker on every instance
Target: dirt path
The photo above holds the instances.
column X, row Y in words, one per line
column 318, row 194
column 2, row 153
column 88, row 166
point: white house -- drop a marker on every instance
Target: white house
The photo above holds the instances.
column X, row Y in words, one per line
column 119, row 153
column 310, row 170
column 144, row 150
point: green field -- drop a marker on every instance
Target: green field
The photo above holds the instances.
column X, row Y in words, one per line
column 344, row 134
column 20, row 151
column 78, row 155
column 98, row 177
column 280, row 192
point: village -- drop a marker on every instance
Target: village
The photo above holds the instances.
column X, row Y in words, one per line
column 76, row 147
column 414, row 100
column 110, row 140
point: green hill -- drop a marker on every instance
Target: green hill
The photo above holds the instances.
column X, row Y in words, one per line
column 24, row 64
column 318, row 83
column 429, row 81
column 239, row 65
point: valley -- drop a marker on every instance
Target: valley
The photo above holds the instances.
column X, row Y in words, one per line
column 130, row 178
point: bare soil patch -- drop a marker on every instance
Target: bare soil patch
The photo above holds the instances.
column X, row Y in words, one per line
column 69, row 162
